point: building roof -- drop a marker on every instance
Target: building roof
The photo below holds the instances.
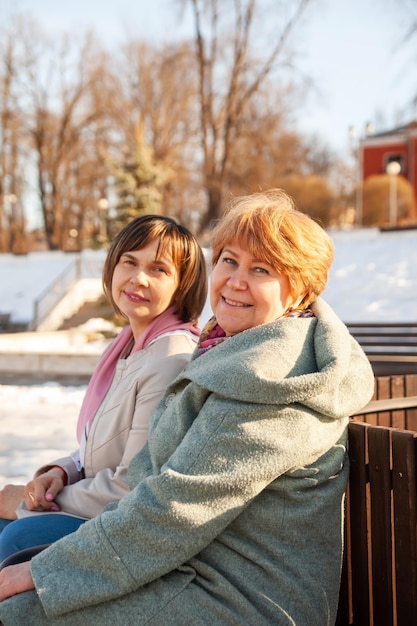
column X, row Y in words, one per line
column 411, row 126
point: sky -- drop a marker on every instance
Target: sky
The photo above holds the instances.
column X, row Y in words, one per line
column 350, row 49
column 373, row 277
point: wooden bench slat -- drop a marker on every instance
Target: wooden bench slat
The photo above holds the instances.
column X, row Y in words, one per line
column 404, row 483
column 358, row 583
column 382, row 328
column 410, row 389
column 382, row 392
column 405, row 341
column 344, row 616
column 389, row 404
column 399, row 415
column 410, row 382
column 402, row 332
column 380, row 524
column 395, row 355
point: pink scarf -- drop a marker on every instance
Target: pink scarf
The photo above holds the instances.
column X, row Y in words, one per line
column 103, row 375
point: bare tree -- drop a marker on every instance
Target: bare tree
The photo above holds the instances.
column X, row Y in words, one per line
column 12, row 222
column 59, row 81
column 230, row 75
column 409, row 8
column 405, row 12
column 160, row 85
column 267, row 146
column 215, row 118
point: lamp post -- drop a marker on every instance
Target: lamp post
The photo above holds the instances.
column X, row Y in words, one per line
column 393, row 169
column 357, row 148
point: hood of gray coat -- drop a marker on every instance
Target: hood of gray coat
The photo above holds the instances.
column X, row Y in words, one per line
column 310, row 361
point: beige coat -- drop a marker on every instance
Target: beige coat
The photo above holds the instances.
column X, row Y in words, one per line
column 120, row 427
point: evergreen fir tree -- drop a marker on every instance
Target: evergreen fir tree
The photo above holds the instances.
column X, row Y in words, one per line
column 137, row 182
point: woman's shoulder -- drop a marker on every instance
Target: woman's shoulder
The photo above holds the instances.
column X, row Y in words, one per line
column 175, row 340
column 167, row 347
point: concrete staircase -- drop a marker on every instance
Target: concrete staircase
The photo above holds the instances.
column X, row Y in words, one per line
column 89, row 310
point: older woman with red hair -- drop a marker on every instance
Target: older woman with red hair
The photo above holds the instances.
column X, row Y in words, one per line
column 235, row 514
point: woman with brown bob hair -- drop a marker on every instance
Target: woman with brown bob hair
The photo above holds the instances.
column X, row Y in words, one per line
column 155, row 277
column 235, row 515
column 180, row 245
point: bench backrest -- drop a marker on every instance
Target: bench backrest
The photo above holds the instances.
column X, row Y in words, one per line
column 379, row 579
column 391, row 347
column 394, row 403
column 386, row 338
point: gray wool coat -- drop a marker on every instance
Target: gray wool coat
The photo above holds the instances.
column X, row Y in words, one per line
column 235, row 514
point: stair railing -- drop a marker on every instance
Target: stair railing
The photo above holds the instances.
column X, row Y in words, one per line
column 50, row 297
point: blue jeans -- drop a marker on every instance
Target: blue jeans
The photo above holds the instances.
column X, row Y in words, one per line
column 34, row 530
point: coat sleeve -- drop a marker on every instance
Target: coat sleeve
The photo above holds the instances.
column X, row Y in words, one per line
column 68, row 464
column 229, row 455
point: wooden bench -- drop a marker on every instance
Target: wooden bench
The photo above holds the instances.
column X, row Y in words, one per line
column 393, row 343
column 392, row 403
column 379, row 578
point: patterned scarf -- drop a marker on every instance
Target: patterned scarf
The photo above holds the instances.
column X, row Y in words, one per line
column 211, row 335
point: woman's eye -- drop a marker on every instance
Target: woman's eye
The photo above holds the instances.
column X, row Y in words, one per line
column 227, row 259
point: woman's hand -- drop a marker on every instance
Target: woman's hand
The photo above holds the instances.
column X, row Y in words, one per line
column 15, row 579
column 10, row 497
column 40, row 492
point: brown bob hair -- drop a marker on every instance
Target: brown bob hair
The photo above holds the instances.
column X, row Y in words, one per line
column 174, row 240
column 272, row 230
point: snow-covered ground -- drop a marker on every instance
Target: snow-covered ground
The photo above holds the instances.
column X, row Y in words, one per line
column 374, row 275
column 37, row 425
column 373, row 278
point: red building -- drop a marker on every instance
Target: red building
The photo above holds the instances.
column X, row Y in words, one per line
column 399, row 144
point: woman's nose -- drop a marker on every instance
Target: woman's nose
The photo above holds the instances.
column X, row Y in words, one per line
column 139, row 277
column 237, row 280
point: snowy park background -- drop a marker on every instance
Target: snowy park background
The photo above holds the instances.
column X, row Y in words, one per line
column 373, row 278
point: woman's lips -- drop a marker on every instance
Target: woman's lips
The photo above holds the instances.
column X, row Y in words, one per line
column 134, row 297
column 235, row 303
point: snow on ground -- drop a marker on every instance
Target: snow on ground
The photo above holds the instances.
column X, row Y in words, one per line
column 37, row 425
column 374, row 275
column 373, row 278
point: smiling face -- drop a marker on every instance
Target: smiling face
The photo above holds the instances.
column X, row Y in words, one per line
column 246, row 292
column 143, row 285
